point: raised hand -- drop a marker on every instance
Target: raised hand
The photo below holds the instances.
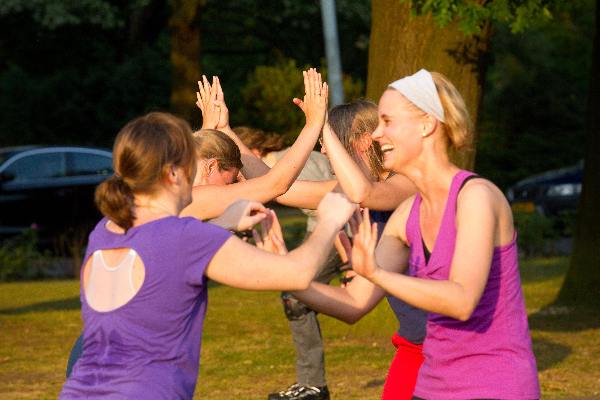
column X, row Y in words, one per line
column 271, row 237
column 207, row 101
column 335, row 207
column 363, row 249
column 314, row 104
column 220, row 102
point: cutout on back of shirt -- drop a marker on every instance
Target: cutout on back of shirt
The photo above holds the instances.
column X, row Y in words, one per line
column 111, row 278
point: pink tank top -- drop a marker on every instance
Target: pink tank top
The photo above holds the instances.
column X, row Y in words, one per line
column 489, row 355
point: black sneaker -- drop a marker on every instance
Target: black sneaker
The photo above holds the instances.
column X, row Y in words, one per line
column 297, row 392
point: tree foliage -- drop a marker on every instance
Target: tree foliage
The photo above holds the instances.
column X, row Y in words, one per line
column 519, row 15
column 535, row 97
column 78, row 82
column 240, row 35
column 75, row 72
column 269, row 92
column 53, row 14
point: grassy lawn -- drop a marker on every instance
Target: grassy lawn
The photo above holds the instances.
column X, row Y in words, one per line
column 247, row 350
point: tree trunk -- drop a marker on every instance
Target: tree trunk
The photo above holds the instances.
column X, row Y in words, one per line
column 185, row 57
column 402, row 43
column 582, row 283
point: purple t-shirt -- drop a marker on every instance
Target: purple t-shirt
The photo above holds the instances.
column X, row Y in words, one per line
column 149, row 348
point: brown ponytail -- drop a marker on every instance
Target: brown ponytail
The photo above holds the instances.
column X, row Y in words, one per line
column 350, row 122
column 115, row 200
column 457, row 126
column 143, row 152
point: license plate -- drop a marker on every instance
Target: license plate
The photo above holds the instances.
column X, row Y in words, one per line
column 524, row 207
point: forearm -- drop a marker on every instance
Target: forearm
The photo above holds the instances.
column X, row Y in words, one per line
column 210, row 201
column 436, row 296
column 253, row 167
column 355, row 184
column 286, row 170
column 387, row 195
column 220, row 221
column 334, row 301
column 307, row 194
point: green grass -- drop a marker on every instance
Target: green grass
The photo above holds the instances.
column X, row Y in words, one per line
column 247, row 350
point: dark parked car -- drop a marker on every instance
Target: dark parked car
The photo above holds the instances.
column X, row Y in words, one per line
column 50, row 188
column 551, row 193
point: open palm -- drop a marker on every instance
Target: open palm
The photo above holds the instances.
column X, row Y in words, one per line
column 363, row 249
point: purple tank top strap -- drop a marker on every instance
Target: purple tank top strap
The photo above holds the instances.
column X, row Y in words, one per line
column 444, row 243
column 446, row 239
column 412, row 222
column 457, row 183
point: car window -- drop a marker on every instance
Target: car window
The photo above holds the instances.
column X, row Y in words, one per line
column 89, row 164
column 36, row 166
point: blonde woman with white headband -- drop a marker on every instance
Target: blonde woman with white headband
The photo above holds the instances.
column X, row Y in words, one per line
column 457, row 240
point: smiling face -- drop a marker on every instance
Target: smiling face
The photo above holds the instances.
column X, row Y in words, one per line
column 399, row 130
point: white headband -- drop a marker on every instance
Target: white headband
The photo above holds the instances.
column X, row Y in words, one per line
column 420, row 90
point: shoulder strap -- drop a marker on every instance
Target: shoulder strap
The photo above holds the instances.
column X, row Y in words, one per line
column 412, row 222
column 457, row 184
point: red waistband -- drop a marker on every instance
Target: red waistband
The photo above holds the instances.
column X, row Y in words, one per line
column 398, row 341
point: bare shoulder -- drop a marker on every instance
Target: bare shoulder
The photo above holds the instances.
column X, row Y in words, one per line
column 481, row 191
column 481, row 197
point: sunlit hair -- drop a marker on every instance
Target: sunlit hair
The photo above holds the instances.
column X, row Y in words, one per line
column 144, row 151
column 211, row 143
column 458, row 126
column 350, row 122
column 255, row 138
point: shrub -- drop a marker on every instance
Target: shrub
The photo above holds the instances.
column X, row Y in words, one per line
column 268, row 93
column 20, row 259
column 534, row 232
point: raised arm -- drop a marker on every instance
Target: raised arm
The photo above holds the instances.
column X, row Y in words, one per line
column 360, row 296
column 307, row 194
column 384, row 195
column 210, row 200
column 315, row 98
column 479, row 206
column 241, row 265
column 241, row 215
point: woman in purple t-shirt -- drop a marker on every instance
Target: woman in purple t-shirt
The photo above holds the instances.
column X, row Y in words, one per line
column 145, row 272
column 457, row 238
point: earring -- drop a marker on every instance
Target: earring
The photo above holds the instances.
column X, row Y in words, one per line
column 423, row 133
